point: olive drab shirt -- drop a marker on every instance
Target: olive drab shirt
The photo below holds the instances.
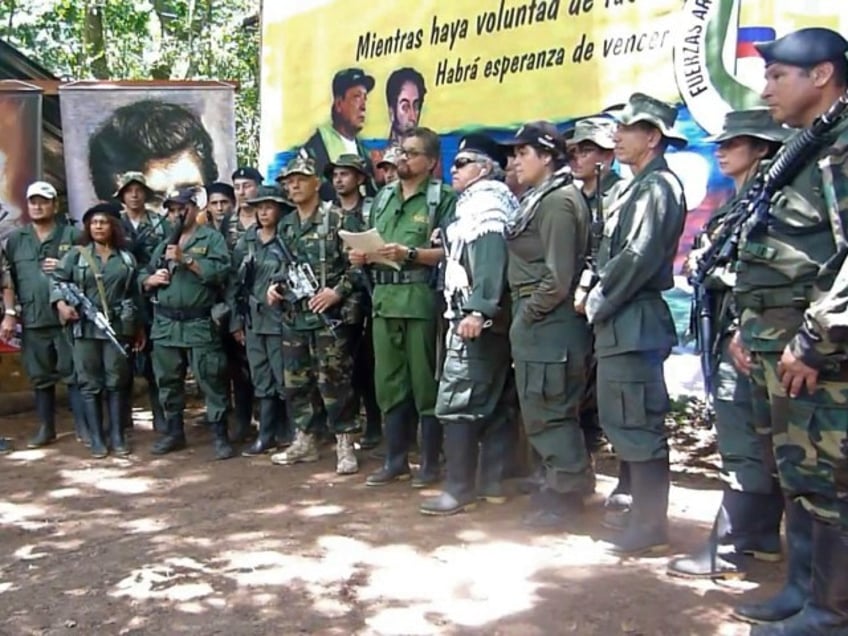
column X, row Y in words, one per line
column 25, row 255
column 119, row 278
column 304, row 240
column 408, row 223
column 778, row 272
column 187, row 290
column 545, row 261
column 636, row 263
column 268, row 259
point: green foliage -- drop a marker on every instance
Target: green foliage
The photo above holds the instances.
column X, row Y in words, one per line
column 146, row 39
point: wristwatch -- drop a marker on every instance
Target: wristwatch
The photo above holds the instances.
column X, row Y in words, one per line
column 10, row 311
column 411, row 255
column 188, row 261
column 477, row 314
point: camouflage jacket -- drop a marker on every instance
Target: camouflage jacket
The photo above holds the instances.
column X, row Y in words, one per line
column 780, row 271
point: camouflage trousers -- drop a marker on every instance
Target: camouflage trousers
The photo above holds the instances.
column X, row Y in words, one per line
column 317, row 359
column 810, row 437
column 746, row 458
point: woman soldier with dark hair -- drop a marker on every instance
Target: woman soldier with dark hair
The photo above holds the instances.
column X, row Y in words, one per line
column 550, row 341
column 104, row 270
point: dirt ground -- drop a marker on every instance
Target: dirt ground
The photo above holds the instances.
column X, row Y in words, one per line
column 184, row 545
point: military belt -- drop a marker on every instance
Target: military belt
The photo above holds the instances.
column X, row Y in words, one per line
column 523, row 291
column 772, row 298
column 183, row 313
column 403, row 277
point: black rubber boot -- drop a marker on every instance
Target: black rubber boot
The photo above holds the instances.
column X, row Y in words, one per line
column 430, row 452
column 5, row 446
column 283, row 429
column 94, row 416
column 116, row 405
column 647, row 527
column 736, row 524
column 78, row 414
column 45, row 407
column 826, row 612
column 160, row 423
column 617, row 505
column 795, row 592
column 765, row 512
column 243, row 413
column 127, row 406
column 396, row 433
column 223, row 448
column 552, row 509
column 268, row 418
column 494, row 447
column 174, row 438
column 461, row 450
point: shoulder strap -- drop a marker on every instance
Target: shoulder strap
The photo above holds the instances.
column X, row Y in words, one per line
column 367, row 203
column 88, row 256
column 381, row 199
column 434, row 198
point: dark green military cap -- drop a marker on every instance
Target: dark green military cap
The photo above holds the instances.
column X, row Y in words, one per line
column 755, row 122
column 349, row 160
column 268, row 193
column 641, row 107
column 598, row 130
column 805, row 48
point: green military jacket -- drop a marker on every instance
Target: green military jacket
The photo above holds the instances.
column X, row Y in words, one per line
column 265, row 260
column 636, row 261
column 118, row 274
column 188, row 291
column 316, row 241
column 545, row 261
column 779, row 272
column 152, row 229
column 24, row 254
column 408, row 223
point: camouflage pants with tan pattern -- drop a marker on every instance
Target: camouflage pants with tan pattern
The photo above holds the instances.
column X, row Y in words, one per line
column 810, row 438
column 317, row 359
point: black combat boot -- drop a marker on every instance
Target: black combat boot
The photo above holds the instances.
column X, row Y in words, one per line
column 826, row 611
column 647, row 527
column 552, row 509
column 223, row 448
column 430, row 452
column 242, row 412
column 283, row 429
column 160, row 424
column 126, row 405
column 396, row 433
column 116, row 405
column 795, row 592
column 45, row 407
column 173, row 439
column 94, row 417
column 461, row 450
column 763, row 540
column 736, row 533
column 268, row 419
column 617, row 505
column 494, row 447
column 78, row 414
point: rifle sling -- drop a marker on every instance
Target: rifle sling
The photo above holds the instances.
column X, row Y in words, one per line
column 88, row 255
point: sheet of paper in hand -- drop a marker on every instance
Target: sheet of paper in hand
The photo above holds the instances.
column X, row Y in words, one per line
column 369, row 242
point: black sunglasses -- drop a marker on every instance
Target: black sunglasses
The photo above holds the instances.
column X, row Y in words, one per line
column 461, row 162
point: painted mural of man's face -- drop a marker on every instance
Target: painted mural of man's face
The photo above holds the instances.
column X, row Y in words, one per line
column 350, row 109
column 406, row 111
column 172, row 173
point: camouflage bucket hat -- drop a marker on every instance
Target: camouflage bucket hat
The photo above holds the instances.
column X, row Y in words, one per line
column 354, row 162
column 268, row 193
column 641, row 107
column 132, row 177
column 298, row 165
column 755, row 122
column 598, row 130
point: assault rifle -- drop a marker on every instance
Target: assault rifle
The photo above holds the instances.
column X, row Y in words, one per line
column 298, row 283
column 244, row 289
column 750, row 216
column 73, row 295
column 589, row 277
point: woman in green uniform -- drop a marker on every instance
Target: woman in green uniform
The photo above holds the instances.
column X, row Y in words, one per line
column 104, row 270
column 550, row 341
column 256, row 325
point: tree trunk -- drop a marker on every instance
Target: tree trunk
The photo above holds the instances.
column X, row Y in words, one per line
column 95, row 42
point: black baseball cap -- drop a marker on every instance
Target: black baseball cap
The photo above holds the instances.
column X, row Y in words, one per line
column 539, row 134
column 350, row 77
